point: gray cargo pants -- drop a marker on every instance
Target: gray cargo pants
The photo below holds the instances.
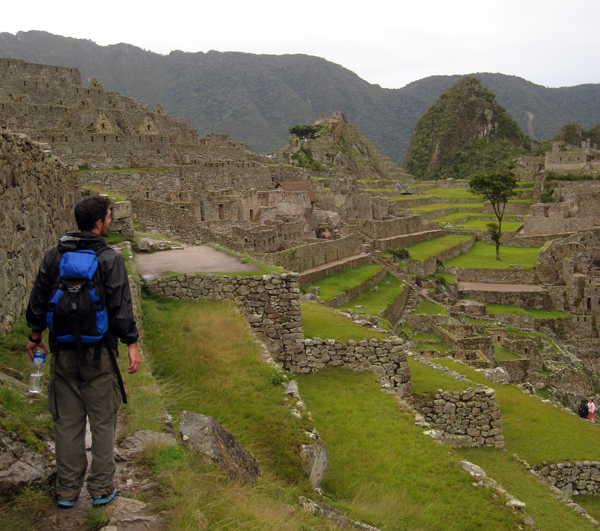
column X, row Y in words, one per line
column 75, row 392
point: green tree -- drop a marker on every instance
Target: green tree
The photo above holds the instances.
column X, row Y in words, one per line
column 497, row 188
column 304, row 131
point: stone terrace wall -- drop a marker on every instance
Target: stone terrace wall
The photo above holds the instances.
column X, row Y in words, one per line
column 37, row 197
column 394, row 311
column 406, row 240
column 470, row 418
column 347, row 296
column 509, row 239
column 496, row 276
column 516, row 369
column 271, row 304
column 511, row 208
column 581, row 478
column 316, row 254
column 395, row 227
column 523, row 299
column 385, row 358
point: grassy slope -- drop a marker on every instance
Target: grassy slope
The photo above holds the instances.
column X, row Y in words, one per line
column 424, row 250
column 518, row 410
column 483, row 256
column 376, row 301
column 336, row 284
column 206, row 361
column 383, row 469
column 323, row 322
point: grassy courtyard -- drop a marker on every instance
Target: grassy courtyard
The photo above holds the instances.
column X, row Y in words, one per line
column 483, row 256
column 427, row 249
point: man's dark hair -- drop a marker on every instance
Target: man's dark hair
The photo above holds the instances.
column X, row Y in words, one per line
column 89, row 210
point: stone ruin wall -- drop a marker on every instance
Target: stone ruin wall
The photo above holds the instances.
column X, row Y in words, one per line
column 271, row 305
column 469, row 418
column 37, row 197
column 316, row 254
column 581, row 478
column 495, row 276
column 97, row 127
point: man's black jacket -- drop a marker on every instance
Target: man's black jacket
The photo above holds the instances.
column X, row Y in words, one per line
column 116, row 288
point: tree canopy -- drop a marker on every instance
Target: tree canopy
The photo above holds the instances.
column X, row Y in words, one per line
column 497, row 188
column 304, row 131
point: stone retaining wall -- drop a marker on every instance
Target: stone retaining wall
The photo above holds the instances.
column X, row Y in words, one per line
column 509, row 239
column 516, row 369
column 387, row 358
column 581, row 478
column 523, row 299
column 511, row 208
column 394, row 311
column 37, row 197
column 347, row 296
column 406, row 240
column 316, row 254
column 496, row 276
column 311, row 278
column 271, row 304
column 470, row 418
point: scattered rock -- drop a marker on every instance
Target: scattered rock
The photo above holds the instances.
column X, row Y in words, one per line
column 474, row 470
column 141, row 439
column 19, row 465
column 314, row 460
column 206, row 436
column 497, row 375
column 529, row 521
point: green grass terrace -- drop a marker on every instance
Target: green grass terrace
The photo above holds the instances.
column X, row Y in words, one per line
column 432, row 207
column 377, row 300
column 535, row 313
column 427, row 249
column 336, row 284
column 483, row 256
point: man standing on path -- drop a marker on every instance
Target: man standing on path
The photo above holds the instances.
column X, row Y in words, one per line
column 84, row 377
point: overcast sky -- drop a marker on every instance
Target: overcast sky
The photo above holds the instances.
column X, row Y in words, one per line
column 390, row 43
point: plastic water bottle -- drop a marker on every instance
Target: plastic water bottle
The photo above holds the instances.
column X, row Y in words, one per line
column 36, row 377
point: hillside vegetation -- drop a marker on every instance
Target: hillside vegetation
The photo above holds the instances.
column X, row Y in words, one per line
column 255, row 98
column 463, row 133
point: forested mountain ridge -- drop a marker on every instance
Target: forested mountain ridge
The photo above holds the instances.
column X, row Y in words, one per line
column 255, row 98
column 463, row 133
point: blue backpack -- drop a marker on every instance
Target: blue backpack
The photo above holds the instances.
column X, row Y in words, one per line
column 76, row 311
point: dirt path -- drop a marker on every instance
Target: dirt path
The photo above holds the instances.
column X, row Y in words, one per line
column 193, row 259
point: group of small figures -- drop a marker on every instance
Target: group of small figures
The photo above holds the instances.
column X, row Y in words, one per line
column 587, row 410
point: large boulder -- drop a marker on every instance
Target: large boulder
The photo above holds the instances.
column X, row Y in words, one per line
column 20, row 466
column 205, row 435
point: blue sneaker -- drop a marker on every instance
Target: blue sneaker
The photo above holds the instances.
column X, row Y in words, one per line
column 65, row 504
column 97, row 501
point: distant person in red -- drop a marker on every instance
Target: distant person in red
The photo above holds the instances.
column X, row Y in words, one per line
column 591, row 409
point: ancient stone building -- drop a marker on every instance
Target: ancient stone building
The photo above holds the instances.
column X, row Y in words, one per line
column 37, row 196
